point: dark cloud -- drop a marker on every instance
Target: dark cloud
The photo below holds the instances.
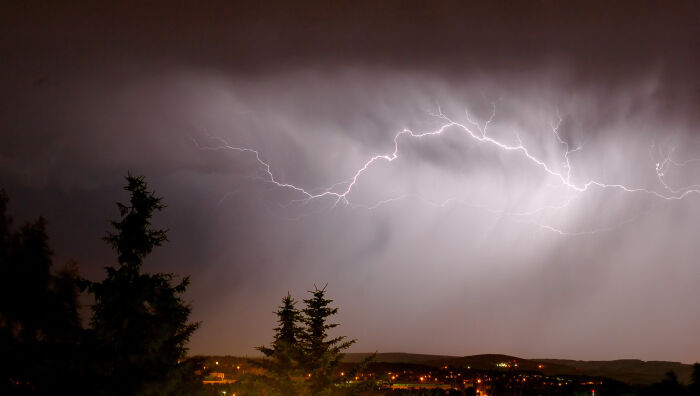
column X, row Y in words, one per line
column 93, row 90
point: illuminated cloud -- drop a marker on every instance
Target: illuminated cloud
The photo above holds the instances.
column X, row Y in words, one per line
column 567, row 228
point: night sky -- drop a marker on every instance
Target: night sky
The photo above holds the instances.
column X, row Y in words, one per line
column 566, row 227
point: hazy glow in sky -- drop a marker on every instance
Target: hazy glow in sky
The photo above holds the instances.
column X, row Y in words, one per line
column 476, row 240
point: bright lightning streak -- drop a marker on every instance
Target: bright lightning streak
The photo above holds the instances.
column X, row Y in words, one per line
column 341, row 191
column 667, row 162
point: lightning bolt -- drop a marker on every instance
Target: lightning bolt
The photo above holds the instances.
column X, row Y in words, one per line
column 664, row 165
column 340, row 192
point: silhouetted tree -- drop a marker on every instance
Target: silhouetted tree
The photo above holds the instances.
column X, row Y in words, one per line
column 694, row 387
column 303, row 359
column 135, row 238
column 321, row 353
column 140, row 321
column 669, row 386
column 40, row 328
column 281, row 361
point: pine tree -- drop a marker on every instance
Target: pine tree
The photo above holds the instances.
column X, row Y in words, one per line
column 39, row 324
column 140, row 321
column 321, row 353
column 281, row 361
column 135, row 239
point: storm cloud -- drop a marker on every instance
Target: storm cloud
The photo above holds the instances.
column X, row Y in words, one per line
column 467, row 255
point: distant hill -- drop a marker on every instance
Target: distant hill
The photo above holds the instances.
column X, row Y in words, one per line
column 396, row 357
column 629, row 371
column 489, row 362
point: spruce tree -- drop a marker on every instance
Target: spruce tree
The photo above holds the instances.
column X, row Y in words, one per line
column 322, row 354
column 135, row 238
column 140, row 321
column 40, row 328
column 281, row 361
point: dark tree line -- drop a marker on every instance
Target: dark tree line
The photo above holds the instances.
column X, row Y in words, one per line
column 136, row 339
column 39, row 322
column 670, row 386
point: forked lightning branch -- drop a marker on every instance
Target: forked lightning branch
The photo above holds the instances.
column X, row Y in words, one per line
column 341, row 192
